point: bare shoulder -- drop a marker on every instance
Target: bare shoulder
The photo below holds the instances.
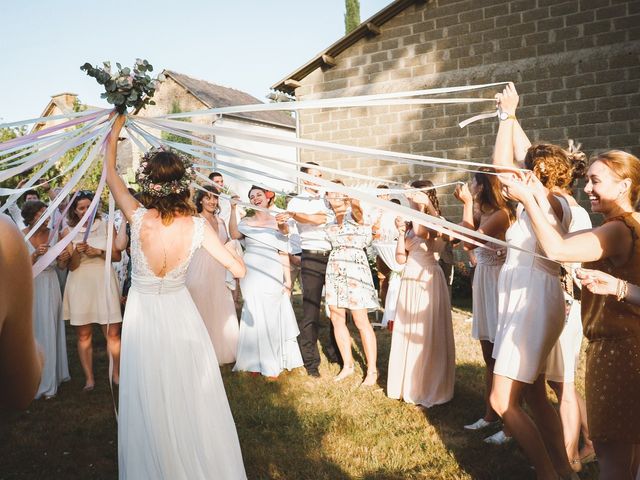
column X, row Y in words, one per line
column 13, row 254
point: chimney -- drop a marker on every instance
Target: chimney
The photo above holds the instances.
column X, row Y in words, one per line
column 64, row 101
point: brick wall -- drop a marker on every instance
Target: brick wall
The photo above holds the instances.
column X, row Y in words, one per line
column 575, row 64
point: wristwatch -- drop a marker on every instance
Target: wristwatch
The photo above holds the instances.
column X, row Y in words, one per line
column 505, row 116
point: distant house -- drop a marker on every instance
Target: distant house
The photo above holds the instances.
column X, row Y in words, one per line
column 181, row 93
column 574, row 62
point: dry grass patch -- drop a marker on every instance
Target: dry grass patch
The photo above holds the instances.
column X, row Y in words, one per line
column 294, row 428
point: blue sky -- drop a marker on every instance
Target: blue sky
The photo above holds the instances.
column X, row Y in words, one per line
column 244, row 44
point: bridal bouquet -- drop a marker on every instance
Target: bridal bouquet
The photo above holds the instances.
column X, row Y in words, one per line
column 128, row 87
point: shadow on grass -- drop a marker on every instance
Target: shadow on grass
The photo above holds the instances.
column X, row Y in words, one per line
column 72, row 436
column 276, row 442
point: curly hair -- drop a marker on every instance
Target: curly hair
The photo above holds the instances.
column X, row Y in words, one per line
column 201, row 194
column 624, row 165
column 30, row 209
column 551, row 164
column 431, row 193
column 166, row 167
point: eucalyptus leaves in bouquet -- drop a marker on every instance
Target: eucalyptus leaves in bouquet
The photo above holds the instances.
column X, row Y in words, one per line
column 128, row 87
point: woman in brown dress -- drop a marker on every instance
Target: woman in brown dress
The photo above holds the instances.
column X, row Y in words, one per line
column 611, row 325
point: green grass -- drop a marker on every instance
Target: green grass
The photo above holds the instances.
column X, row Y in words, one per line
column 293, row 428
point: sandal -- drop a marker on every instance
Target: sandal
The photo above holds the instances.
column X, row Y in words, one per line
column 346, row 371
column 371, row 379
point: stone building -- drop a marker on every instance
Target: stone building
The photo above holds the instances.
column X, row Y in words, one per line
column 182, row 93
column 574, row 62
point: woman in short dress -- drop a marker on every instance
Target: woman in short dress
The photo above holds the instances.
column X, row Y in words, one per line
column 207, row 286
column 611, row 325
column 85, row 299
column 487, row 211
column 531, row 306
column 422, row 362
column 349, row 284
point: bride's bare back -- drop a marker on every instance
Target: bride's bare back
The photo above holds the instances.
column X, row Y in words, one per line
column 165, row 247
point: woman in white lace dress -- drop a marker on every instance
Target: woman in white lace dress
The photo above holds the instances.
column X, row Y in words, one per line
column 174, row 418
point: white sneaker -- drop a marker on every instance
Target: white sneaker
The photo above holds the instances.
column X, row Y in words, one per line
column 480, row 424
column 498, row 438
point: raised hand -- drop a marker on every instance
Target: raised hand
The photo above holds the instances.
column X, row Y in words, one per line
column 508, row 100
column 514, row 188
column 42, row 249
column 463, row 193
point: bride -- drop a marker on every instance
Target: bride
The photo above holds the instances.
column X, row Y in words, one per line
column 175, row 421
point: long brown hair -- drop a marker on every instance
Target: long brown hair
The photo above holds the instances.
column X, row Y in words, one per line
column 431, row 193
column 72, row 216
column 165, row 167
column 490, row 198
column 200, row 195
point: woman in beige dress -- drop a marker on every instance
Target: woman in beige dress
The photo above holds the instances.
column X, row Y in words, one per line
column 85, row 299
column 422, row 358
column 207, row 286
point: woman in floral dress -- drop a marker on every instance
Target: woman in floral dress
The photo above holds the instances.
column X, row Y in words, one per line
column 349, row 284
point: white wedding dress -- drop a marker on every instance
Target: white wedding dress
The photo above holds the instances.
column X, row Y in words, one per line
column 174, row 419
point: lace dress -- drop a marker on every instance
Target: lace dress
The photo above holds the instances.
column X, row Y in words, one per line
column 174, row 419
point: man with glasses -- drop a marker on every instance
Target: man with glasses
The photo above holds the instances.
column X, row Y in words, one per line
column 311, row 213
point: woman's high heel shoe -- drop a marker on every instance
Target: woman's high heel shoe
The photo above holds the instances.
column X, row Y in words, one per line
column 346, row 371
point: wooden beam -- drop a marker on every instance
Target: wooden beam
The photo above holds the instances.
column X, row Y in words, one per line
column 291, row 83
column 328, row 60
column 373, row 29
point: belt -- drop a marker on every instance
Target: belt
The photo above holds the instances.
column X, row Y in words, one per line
column 323, row 253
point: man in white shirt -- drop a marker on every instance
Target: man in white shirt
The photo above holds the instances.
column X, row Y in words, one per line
column 311, row 213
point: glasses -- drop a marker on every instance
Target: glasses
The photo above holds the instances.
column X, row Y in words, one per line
column 84, row 194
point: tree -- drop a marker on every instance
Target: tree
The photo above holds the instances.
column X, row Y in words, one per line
column 352, row 15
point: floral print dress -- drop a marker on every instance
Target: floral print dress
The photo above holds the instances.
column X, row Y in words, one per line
column 349, row 283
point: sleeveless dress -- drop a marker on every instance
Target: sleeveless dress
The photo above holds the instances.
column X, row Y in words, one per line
column 348, row 280
column 85, row 294
column 48, row 328
column 612, row 382
column 422, row 360
column 531, row 308
column 485, row 292
column 206, row 281
column 563, row 359
column 268, row 329
column 174, row 420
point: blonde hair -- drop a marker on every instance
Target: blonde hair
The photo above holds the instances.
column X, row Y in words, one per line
column 624, row 165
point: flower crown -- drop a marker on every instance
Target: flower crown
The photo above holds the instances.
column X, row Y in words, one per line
column 163, row 189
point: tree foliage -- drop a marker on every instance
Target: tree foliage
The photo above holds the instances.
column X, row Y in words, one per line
column 352, row 15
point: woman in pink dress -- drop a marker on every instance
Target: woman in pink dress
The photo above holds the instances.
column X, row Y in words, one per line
column 207, row 286
column 422, row 358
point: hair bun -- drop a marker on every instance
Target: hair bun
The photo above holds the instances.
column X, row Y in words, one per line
column 578, row 159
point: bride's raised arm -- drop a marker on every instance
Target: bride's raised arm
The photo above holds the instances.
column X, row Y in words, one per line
column 127, row 203
column 224, row 254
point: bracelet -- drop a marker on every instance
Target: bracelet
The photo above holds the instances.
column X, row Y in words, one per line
column 621, row 290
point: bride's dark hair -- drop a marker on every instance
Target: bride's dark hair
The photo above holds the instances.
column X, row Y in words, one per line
column 166, row 167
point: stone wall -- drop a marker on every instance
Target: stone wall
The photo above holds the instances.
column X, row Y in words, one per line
column 575, row 64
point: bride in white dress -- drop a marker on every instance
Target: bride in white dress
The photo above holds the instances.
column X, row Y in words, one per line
column 174, row 418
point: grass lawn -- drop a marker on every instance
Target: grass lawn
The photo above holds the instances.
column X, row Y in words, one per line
column 293, row 428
